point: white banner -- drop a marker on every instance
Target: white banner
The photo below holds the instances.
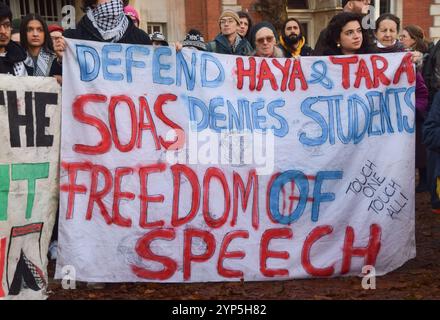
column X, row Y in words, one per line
column 29, row 139
column 196, row 167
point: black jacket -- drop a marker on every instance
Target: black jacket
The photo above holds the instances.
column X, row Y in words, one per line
column 431, row 127
column 14, row 54
column 86, row 31
column 305, row 51
column 431, row 138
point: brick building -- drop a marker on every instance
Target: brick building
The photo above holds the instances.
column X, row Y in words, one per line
column 175, row 17
column 314, row 14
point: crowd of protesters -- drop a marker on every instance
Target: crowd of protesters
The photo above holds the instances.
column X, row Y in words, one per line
column 29, row 47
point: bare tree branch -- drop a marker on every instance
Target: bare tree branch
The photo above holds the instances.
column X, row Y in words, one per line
column 274, row 11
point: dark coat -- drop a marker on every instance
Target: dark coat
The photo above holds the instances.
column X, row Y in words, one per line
column 431, row 70
column 397, row 47
column 432, row 173
column 86, row 31
column 431, row 138
column 431, row 127
column 14, row 54
column 421, row 110
column 221, row 45
column 305, row 51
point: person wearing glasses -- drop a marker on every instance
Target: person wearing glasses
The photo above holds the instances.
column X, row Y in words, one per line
column 360, row 7
column 12, row 56
column 264, row 39
column 229, row 41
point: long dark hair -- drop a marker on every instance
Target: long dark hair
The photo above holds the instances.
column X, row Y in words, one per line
column 334, row 30
column 48, row 45
column 242, row 14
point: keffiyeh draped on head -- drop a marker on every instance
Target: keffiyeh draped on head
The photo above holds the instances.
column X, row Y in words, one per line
column 109, row 19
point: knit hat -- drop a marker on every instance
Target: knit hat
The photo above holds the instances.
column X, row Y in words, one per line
column 55, row 27
column 159, row 37
column 130, row 11
column 230, row 14
column 259, row 26
column 194, row 39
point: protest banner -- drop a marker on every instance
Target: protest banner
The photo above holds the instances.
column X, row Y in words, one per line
column 195, row 167
column 29, row 167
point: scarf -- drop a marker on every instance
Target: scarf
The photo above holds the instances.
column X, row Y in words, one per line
column 42, row 64
column 236, row 43
column 109, row 19
column 294, row 52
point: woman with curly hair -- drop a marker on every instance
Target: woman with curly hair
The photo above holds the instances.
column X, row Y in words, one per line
column 413, row 38
column 346, row 36
column 245, row 25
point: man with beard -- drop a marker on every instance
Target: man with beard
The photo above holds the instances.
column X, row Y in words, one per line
column 354, row 6
column 12, row 56
column 292, row 41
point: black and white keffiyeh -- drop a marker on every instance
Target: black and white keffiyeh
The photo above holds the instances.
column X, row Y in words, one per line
column 42, row 64
column 109, row 19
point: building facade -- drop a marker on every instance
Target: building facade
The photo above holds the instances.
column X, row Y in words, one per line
column 166, row 16
column 315, row 14
column 50, row 10
column 175, row 17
